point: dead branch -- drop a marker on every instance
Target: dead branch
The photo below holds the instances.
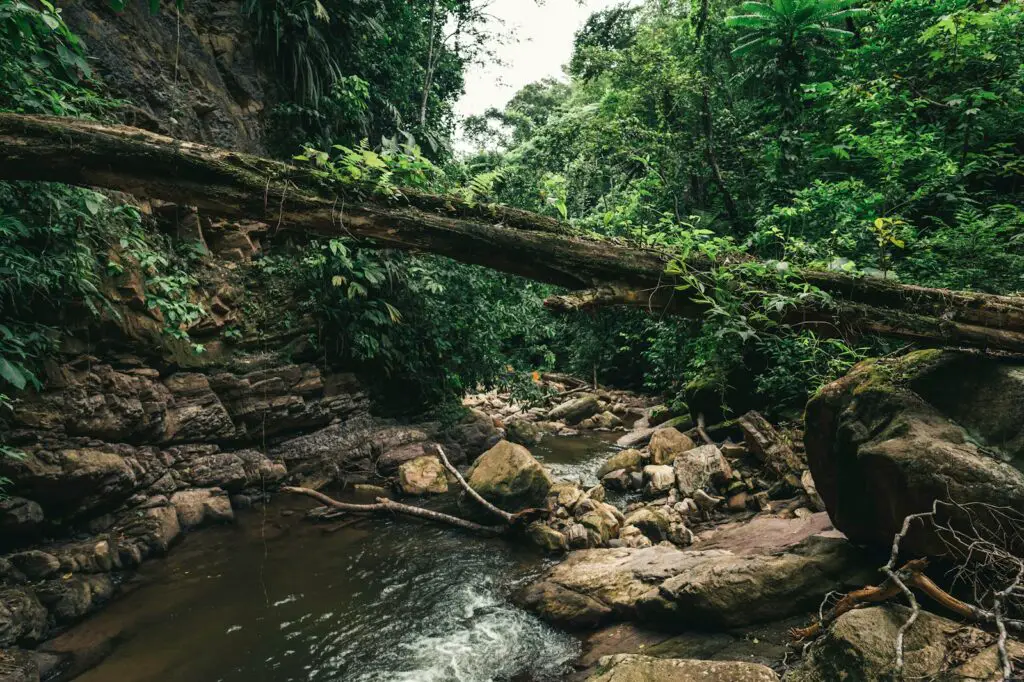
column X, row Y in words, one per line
column 504, row 515
column 986, row 555
column 386, row 506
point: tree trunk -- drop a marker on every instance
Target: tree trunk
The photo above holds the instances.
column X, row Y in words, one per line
column 236, row 185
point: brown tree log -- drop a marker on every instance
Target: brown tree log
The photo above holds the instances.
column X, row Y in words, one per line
column 231, row 184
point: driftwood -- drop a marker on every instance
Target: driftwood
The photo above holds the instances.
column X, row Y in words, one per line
column 912, row 574
column 386, row 506
column 291, row 199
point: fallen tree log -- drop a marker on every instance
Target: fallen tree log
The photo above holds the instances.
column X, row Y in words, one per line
column 292, row 199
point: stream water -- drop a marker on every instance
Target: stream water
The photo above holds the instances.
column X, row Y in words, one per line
column 275, row 598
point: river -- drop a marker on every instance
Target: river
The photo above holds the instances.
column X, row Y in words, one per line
column 276, row 598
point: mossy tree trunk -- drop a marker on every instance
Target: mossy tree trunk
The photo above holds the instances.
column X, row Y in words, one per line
column 290, row 199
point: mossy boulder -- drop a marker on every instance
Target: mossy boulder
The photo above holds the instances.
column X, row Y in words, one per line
column 509, row 477
column 629, row 460
column 895, row 435
column 860, row 646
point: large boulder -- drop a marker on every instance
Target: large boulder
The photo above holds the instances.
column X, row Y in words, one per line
column 861, row 645
column 628, row 460
column 509, row 477
column 72, row 482
column 665, row 587
column 634, row 668
column 667, row 444
column 700, row 467
column 895, row 435
column 423, row 476
column 575, row 410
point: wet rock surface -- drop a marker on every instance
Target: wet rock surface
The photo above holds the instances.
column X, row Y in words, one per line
column 676, row 588
column 635, row 668
column 121, row 458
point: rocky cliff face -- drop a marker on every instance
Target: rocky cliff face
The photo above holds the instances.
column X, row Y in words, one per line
column 190, row 75
column 134, row 440
column 121, row 458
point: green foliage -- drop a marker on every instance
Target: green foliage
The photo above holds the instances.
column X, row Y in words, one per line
column 877, row 138
column 59, row 244
column 43, row 69
column 346, row 71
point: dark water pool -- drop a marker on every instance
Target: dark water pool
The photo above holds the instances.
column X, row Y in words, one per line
column 275, row 598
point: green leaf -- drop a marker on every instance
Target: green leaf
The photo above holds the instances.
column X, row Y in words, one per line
column 12, row 374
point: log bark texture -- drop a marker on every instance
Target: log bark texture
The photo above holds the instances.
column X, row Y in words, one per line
column 236, row 185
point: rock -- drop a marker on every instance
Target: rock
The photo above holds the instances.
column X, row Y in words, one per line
column 509, row 477
column 701, row 467
column 546, row 537
column 807, row 481
column 18, row 665
column 635, row 668
column 618, row 480
column 20, row 519
column 653, row 522
column 860, row 645
column 423, row 476
column 893, row 436
column 575, row 410
column 627, row 460
column 606, row 420
column 73, row 481
column 603, row 523
column 394, row 458
column 35, row 564
column 22, row 617
column 198, row 507
column 166, row 527
column 705, row 502
column 660, row 479
column 596, row 493
column 737, row 502
column 70, row 600
column 576, row 536
column 631, row 536
column 667, row 444
column 566, row 494
column 665, row 586
column 474, row 434
column 636, row 480
column 524, row 432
